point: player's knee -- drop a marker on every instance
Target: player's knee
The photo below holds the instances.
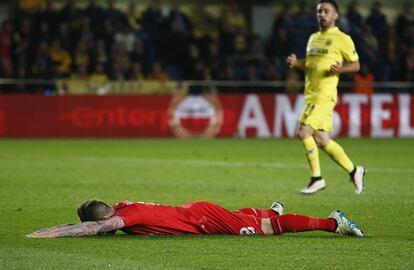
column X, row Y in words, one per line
column 321, row 142
column 302, row 134
column 318, row 141
column 276, row 226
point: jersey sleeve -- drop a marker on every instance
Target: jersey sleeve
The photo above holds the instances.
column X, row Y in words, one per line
column 308, row 44
column 348, row 50
column 131, row 213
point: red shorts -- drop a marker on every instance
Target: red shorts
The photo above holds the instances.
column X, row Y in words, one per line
column 214, row 219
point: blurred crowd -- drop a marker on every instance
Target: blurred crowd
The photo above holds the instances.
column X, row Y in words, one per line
column 104, row 42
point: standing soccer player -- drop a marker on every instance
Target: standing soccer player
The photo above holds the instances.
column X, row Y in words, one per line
column 329, row 52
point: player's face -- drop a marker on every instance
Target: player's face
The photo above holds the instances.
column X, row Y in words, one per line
column 327, row 15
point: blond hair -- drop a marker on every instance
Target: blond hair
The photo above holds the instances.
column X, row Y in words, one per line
column 94, row 210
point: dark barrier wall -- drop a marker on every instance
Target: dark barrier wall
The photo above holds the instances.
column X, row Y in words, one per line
column 264, row 116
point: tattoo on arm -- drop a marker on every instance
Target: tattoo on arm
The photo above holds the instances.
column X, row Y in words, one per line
column 80, row 229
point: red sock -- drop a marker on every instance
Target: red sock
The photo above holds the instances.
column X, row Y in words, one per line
column 297, row 223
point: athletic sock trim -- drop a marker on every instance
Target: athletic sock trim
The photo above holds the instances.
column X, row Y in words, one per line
column 353, row 172
column 336, row 223
column 316, row 178
column 277, row 229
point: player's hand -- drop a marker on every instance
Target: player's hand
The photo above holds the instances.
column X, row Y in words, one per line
column 48, row 232
column 291, row 60
column 336, row 68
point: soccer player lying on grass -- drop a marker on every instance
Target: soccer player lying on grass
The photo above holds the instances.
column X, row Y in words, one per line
column 98, row 217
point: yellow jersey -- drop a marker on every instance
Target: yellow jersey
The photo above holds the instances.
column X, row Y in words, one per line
column 324, row 49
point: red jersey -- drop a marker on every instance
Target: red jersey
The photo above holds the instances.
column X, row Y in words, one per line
column 194, row 217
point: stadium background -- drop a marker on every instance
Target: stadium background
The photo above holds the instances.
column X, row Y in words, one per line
column 191, row 41
column 67, row 73
column 59, row 48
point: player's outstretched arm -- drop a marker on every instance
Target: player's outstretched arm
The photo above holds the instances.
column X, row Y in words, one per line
column 80, row 229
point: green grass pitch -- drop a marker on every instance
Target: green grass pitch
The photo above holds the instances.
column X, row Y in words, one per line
column 43, row 181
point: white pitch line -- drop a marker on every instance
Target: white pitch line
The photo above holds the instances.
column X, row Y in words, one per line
column 209, row 163
column 241, row 164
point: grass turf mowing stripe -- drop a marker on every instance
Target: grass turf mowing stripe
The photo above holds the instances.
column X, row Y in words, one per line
column 207, row 163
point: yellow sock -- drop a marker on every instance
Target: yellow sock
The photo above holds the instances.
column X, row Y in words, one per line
column 337, row 153
column 312, row 154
